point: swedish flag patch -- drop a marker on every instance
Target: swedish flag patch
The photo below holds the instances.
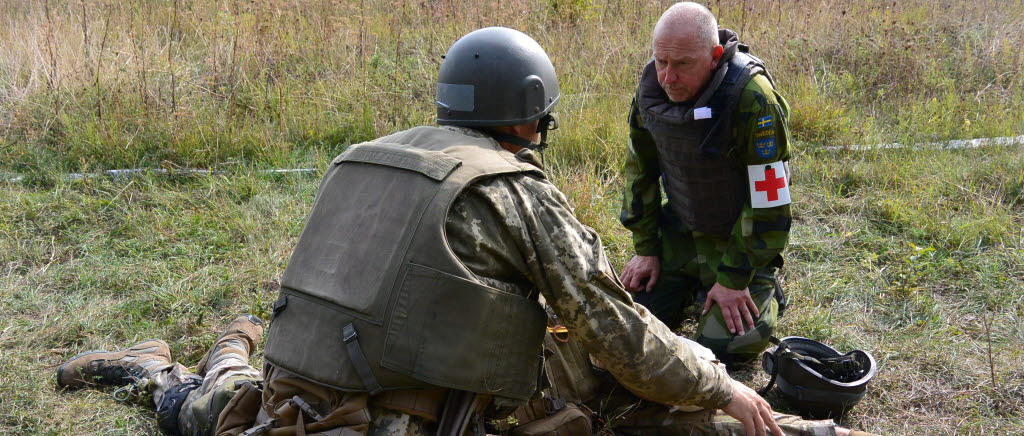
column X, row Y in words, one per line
column 765, row 121
column 765, row 147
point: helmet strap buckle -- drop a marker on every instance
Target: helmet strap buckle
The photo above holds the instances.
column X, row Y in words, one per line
column 546, row 123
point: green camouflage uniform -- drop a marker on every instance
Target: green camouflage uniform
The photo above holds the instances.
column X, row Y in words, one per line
column 691, row 261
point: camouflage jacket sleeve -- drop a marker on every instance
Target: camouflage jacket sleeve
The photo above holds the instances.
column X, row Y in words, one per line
column 641, row 198
column 760, row 234
column 517, row 233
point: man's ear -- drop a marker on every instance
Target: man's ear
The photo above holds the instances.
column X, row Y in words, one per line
column 716, row 55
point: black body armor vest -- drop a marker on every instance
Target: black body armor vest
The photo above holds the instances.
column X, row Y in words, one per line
column 705, row 188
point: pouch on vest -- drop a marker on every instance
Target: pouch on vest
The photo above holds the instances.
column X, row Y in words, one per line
column 570, row 373
column 240, row 412
column 570, row 420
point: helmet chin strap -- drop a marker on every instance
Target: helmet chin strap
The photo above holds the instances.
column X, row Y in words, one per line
column 546, row 123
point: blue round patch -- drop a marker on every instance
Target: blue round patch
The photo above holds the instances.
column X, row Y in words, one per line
column 765, row 147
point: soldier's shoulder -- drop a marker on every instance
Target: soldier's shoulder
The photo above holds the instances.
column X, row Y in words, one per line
column 513, row 185
column 757, row 94
column 535, row 184
column 507, row 196
column 759, row 87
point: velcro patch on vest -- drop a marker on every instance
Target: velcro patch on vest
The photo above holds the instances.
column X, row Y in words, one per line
column 769, row 185
column 702, row 113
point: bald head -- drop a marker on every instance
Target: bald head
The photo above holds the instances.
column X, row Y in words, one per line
column 686, row 50
column 688, row 19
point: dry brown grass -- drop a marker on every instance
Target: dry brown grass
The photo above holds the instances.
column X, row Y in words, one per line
column 185, row 82
column 909, row 254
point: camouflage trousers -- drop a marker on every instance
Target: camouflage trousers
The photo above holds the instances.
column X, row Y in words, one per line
column 688, row 268
column 202, row 406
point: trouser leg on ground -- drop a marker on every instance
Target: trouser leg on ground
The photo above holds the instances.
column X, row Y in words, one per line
column 220, row 373
column 644, row 418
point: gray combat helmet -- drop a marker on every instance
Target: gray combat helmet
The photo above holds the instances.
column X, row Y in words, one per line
column 816, row 379
column 497, row 76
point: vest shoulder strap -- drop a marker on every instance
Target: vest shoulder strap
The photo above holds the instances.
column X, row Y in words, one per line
column 742, row 67
column 433, row 164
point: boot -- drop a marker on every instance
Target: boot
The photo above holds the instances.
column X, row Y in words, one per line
column 115, row 368
column 239, row 338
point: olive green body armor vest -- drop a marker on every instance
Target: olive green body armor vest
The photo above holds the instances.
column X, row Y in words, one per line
column 373, row 298
column 705, row 188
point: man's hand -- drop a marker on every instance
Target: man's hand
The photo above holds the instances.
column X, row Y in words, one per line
column 638, row 270
column 736, row 305
column 752, row 410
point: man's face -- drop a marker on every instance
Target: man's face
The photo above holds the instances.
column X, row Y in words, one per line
column 684, row 64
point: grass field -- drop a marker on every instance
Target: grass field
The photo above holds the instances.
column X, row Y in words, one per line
column 913, row 254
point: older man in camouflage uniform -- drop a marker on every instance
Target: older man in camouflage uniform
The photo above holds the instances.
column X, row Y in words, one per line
column 513, row 240
column 707, row 122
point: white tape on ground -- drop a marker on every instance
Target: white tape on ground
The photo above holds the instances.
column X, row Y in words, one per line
column 949, row 145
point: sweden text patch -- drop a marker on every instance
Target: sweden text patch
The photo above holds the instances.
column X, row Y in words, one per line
column 769, row 185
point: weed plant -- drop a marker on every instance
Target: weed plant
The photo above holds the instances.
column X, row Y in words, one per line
column 913, row 254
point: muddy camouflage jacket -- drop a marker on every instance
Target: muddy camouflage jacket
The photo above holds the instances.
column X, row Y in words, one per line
column 759, row 235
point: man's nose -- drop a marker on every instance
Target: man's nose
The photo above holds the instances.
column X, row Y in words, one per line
column 670, row 76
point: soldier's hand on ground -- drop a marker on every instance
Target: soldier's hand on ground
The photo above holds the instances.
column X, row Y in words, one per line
column 638, row 270
column 752, row 410
column 737, row 306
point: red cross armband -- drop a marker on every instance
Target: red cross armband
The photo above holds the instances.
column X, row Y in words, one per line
column 769, row 185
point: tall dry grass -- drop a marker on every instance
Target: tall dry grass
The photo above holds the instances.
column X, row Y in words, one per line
column 100, row 84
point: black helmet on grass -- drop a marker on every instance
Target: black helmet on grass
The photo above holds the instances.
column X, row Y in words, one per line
column 815, row 378
column 497, row 76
